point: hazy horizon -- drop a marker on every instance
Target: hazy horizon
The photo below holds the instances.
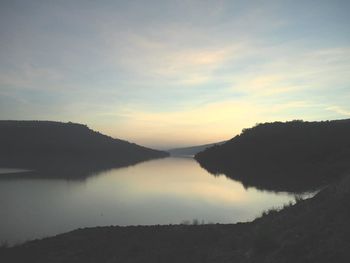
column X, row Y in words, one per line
column 167, row 74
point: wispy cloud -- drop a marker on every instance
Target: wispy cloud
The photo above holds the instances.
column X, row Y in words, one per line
column 174, row 72
column 339, row 110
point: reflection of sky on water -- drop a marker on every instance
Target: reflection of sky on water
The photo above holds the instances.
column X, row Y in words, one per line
column 11, row 170
column 156, row 192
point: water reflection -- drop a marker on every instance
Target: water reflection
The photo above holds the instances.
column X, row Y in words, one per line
column 266, row 177
column 5, row 171
column 66, row 170
column 161, row 191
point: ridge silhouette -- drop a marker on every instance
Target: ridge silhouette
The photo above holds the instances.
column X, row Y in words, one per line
column 66, row 149
column 283, row 156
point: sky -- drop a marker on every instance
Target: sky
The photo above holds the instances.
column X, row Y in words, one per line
column 174, row 73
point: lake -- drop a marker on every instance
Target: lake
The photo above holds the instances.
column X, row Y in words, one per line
column 163, row 191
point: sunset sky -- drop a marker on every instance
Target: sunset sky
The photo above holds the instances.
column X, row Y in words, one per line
column 174, row 73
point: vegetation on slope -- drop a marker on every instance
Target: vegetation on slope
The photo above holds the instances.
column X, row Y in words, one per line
column 290, row 156
column 46, row 145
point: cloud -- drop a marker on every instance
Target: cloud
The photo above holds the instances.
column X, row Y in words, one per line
column 164, row 61
column 28, row 76
column 339, row 110
column 185, row 72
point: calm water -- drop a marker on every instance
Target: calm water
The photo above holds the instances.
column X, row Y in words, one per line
column 162, row 191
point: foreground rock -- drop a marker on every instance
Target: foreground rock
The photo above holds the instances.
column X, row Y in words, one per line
column 313, row 230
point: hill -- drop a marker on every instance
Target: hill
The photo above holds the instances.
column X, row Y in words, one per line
column 290, row 156
column 192, row 150
column 312, row 230
column 47, row 145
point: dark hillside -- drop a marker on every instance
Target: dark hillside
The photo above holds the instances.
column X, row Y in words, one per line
column 43, row 145
column 292, row 156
